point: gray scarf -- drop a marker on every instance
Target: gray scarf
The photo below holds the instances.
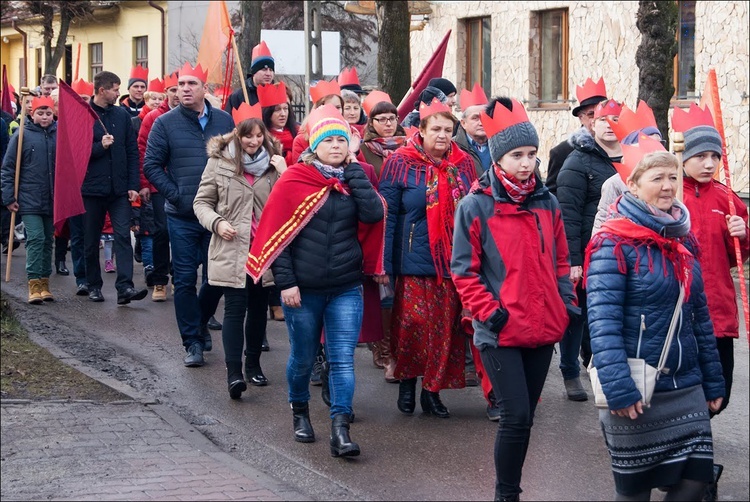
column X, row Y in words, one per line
column 256, row 165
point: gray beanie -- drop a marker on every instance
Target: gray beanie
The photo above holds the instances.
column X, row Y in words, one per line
column 515, row 136
column 701, row 139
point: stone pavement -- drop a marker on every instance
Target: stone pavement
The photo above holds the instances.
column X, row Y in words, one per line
column 125, row 450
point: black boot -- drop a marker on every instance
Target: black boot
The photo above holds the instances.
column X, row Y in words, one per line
column 235, row 380
column 61, row 268
column 325, row 391
column 341, row 444
column 303, row 431
column 431, row 404
column 407, row 395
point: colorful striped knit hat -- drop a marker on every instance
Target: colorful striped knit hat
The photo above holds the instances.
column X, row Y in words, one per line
column 326, row 121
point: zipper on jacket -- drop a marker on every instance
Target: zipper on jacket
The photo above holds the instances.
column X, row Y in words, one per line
column 539, row 228
column 640, row 335
column 411, row 235
column 697, row 192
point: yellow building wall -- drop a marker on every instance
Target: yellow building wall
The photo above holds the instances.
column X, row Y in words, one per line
column 115, row 29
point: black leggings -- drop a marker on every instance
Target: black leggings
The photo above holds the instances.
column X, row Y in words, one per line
column 253, row 301
column 517, row 377
column 725, row 346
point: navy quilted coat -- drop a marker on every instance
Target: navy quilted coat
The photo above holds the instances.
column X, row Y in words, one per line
column 629, row 315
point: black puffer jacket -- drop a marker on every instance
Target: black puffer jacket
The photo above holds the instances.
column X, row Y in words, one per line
column 326, row 257
column 176, row 155
column 113, row 170
column 579, row 188
column 37, row 174
column 557, row 156
column 238, row 97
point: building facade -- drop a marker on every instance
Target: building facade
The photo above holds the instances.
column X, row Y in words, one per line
column 538, row 52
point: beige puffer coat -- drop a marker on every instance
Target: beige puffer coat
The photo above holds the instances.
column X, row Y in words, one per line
column 226, row 196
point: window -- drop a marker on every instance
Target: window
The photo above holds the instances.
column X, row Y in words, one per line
column 95, row 60
column 684, row 66
column 548, row 58
column 140, row 50
column 479, row 53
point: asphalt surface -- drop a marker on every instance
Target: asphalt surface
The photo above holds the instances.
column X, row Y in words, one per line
column 403, row 457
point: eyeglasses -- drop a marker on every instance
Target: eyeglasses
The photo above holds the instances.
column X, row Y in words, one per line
column 385, row 120
column 589, row 114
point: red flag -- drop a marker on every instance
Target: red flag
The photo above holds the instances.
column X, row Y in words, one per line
column 7, row 99
column 433, row 69
column 75, row 134
column 710, row 99
column 215, row 40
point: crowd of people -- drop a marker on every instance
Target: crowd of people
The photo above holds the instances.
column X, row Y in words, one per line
column 434, row 240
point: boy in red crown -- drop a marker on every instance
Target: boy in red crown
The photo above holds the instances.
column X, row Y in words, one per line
column 137, row 82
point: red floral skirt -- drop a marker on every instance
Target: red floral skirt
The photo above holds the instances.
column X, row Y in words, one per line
column 426, row 339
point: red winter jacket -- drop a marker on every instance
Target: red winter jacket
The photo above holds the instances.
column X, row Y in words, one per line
column 146, row 125
column 708, row 204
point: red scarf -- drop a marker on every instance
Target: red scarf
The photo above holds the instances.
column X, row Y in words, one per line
column 296, row 197
column 285, row 138
column 517, row 190
column 623, row 231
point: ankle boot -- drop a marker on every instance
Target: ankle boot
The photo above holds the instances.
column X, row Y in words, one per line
column 574, row 389
column 431, row 404
column 325, row 391
column 46, row 294
column 377, row 357
column 303, row 431
column 235, row 380
column 389, row 362
column 407, row 390
column 35, row 291
column 341, row 444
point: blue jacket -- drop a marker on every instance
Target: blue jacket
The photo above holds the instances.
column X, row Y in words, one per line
column 403, row 185
column 629, row 311
column 176, row 155
column 37, row 175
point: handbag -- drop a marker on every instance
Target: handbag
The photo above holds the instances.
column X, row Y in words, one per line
column 643, row 374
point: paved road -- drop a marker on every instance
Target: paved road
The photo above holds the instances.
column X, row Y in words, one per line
column 404, row 457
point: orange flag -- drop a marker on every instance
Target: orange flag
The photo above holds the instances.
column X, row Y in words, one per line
column 710, row 99
column 215, row 39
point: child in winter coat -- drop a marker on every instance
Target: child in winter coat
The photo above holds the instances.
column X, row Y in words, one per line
column 35, row 193
column 142, row 216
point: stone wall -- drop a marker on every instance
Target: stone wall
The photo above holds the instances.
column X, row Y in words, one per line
column 603, row 40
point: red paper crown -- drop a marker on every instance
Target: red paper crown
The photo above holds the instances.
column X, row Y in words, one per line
column 590, row 89
column 324, row 88
column 348, row 77
column 502, row 118
column 171, row 80
column 198, row 72
column 221, row 91
column 139, row 72
column 261, row 50
column 630, row 121
column 632, row 154
column 696, row 116
column 607, row 108
column 472, row 98
column 156, row 85
column 82, row 87
column 373, row 99
column 324, row 112
column 272, row 94
column 245, row 111
column 436, row 106
column 42, row 101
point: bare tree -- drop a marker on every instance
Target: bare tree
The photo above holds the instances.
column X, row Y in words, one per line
column 394, row 56
column 249, row 19
column 68, row 11
column 657, row 22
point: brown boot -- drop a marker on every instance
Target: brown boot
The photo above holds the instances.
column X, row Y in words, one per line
column 277, row 313
column 35, row 292
column 46, row 294
column 389, row 361
column 377, row 357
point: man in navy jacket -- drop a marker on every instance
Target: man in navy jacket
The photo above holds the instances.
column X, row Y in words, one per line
column 174, row 162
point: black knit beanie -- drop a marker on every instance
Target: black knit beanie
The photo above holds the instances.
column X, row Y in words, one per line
column 443, row 84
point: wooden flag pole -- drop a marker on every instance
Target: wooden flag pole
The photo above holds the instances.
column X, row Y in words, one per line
column 239, row 69
column 19, row 152
column 678, row 144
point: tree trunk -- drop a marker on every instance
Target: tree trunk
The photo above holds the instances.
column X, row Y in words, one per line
column 394, row 55
column 252, row 16
column 52, row 60
column 657, row 22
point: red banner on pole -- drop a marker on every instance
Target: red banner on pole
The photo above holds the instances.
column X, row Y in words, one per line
column 433, row 69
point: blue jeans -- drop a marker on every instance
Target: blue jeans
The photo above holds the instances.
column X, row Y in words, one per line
column 147, row 250
column 570, row 345
column 341, row 316
column 190, row 250
column 39, row 234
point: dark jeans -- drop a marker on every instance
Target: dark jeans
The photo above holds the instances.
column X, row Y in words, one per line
column 61, row 249
column 517, row 377
column 573, row 342
column 93, row 222
column 160, row 234
column 189, row 251
column 5, row 224
column 75, row 224
column 244, row 306
column 726, row 356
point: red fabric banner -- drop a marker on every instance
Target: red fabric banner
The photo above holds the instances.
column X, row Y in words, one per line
column 75, row 133
column 433, row 69
column 7, row 98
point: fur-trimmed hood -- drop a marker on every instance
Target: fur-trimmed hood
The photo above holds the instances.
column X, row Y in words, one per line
column 582, row 140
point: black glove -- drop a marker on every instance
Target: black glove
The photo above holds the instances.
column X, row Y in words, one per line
column 498, row 320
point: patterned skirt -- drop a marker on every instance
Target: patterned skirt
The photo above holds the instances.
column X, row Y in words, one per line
column 425, row 336
column 671, row 441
